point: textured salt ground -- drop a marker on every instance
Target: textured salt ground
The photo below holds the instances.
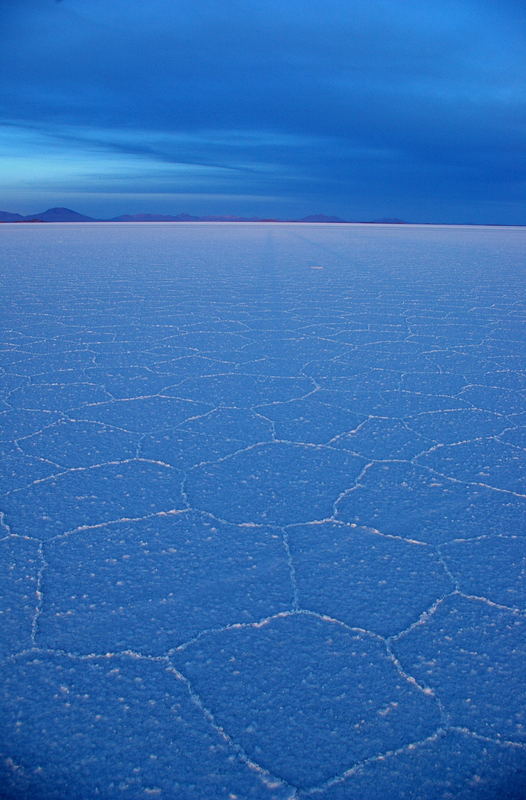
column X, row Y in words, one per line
column 262, row 524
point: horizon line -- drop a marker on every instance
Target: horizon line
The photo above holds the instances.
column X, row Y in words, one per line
column 185, row 218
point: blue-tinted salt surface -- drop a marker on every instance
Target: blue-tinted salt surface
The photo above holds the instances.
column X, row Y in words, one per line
column 263, row 505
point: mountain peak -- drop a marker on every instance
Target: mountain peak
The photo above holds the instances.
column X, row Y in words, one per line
column 8, row 216
column 62, row 214
column 59, row 214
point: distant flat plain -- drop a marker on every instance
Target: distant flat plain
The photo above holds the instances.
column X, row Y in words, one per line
column 263, row 495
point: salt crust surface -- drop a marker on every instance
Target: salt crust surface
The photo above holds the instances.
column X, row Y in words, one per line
column 263, row 512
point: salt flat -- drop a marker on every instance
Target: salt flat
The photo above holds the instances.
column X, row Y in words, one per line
column 263, row 495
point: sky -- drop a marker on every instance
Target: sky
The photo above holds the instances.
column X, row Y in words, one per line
column 356, row 108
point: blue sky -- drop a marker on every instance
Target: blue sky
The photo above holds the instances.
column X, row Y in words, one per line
column 360, row 109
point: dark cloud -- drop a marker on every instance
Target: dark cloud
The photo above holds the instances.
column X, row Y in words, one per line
column 349, row 103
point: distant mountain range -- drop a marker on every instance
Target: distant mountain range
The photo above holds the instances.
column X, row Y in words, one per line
column 67, row 215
